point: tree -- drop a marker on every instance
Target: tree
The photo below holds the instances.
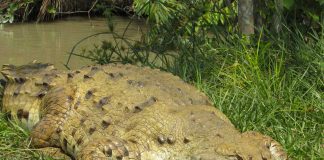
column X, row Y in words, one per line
column 245, row 17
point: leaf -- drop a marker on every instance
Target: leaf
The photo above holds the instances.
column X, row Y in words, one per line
column 314, row 16
column 321, row 2
column 288, row 3
column 51, row 10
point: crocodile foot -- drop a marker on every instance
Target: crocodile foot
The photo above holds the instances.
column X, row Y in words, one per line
column 54, row 153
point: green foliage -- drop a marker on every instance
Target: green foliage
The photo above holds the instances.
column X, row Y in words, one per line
column 14, row 142
column 299, row 13
column 222, row 12
column 288, row 3
column 158, row 11
column 321, row 2
column 210, row 11
column 9, row 13
column 51, row 10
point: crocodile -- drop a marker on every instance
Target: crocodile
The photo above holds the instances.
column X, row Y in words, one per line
column 120, row 111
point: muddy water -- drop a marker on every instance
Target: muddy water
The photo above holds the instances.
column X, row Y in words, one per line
column 51, row 42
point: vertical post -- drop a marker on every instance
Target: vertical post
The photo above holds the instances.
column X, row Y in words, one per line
column 245, row 17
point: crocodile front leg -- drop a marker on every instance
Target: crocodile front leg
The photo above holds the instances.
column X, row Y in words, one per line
column 55, row 109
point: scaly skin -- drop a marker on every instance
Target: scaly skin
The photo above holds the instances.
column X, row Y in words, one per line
column 124, row 112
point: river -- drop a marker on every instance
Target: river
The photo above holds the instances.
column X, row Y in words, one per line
column 50, row 42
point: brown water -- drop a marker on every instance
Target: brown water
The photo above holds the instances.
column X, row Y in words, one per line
column 51, row 42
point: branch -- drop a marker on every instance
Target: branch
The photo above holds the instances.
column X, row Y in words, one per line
column 74, row 12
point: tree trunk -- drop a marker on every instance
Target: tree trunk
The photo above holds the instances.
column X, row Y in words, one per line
column 277, row 17
column 258, row 20
column 245, row 17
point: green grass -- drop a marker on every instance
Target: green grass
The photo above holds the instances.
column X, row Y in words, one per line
column 264, row 91
column 283, row 106
column 14, row 141
column 274, row 87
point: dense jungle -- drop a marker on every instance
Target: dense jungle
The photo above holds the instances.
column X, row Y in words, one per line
column 260, row 62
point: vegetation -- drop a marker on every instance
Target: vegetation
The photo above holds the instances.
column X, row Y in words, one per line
column 14, row 142
column 270, row 82
column 40, row 10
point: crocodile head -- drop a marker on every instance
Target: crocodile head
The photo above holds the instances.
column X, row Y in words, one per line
column 23, row 91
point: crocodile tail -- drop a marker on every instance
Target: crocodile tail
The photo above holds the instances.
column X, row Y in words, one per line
column 21, row 73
